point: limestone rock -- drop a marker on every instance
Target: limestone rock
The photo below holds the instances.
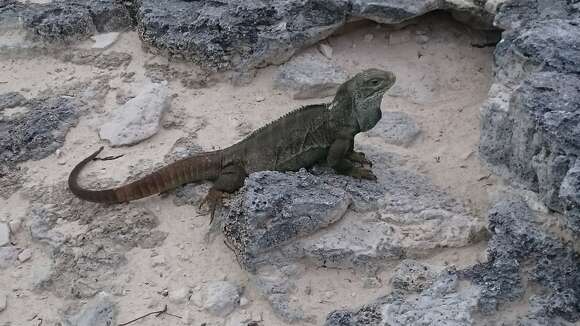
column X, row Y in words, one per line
column 410, row 275
column 139, row 118
column 530, row 123
column 7, row 256
column 518, row 241
column 100, row 311
column 397, row 128
column 219, row 298
column 310, row 75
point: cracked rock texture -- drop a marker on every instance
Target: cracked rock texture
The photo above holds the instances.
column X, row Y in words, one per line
column 531, row 121
column 280, row 221
column 521, row 253
column 39, row 131
column 443, row 303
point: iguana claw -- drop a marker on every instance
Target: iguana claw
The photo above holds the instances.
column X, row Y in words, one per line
column 360, row 157
column 213, row 199
column 360, row 173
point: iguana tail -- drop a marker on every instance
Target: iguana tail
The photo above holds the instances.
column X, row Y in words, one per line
column 204, row 166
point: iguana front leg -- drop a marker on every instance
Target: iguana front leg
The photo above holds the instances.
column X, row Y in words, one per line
column 339, row 158
column 230, row 180
column 359, row 157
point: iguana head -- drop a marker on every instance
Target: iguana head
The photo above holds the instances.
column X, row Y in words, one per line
column 364, row 92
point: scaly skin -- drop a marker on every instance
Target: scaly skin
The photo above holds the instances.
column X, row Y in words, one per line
column 320, row 133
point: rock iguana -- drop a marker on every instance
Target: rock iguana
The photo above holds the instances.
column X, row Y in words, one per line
column 319, row 133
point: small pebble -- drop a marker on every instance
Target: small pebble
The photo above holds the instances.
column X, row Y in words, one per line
column 25, row 255
column 326, row 50
column 260, row 99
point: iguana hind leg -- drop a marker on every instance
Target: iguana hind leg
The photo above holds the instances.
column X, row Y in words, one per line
column 230, row 180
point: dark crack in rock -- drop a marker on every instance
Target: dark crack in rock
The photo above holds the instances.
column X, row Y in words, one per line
column 521, row 252
column 443, row 303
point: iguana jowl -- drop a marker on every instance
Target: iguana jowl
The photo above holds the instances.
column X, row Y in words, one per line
column 320, row 133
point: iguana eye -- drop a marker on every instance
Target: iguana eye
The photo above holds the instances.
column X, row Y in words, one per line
column 375, row 82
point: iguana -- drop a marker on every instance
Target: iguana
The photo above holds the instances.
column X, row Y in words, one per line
column 319, row 133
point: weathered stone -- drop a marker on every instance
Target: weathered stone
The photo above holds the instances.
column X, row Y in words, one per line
column 25, row 255
column 105, row 40
column 100, row 311
column 139, row 118
column 275, row 208
column 410, row 275
column 8, row 256
column 518, row 244
column 310, row 75
column 38, row 132
column 253, row 33
column 219, row 298
column 530, row 123
column 4, row 234
column 441, row 304
column 397, row 128
column 11, row 100
column 179, row 295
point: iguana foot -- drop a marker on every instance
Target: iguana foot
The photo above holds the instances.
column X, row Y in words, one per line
column 361, row 173
column 360, row 157
column 213, row 199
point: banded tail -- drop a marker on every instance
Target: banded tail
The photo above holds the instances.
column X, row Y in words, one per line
column 204, row 166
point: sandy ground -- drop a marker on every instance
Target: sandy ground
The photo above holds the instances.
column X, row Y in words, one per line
column 441, row 83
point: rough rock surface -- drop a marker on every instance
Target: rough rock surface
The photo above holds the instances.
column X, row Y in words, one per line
column 310, row 75
column 67, row 20
column 521, row 253
column 241, row 33
column 443, row 303
column 274, row 209
column 279, row 221
column 100, row 311
column 397, row 128
column 410, row 275
column 11, row 100
column 8, row 256
column 38, row 132
column 530, row 124
column 219, row 298
column 139, row 118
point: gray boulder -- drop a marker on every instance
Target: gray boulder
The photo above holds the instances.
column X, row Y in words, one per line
column 531, row 121
column 310, row 76
column 443, row 303
column 100, row 311
column 397, row 128
column 520, row 253
column 38, row 132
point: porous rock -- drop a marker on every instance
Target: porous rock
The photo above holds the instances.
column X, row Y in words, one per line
column 443, row 303
column 139, row 118
column 219, row 298
column 410, row 275
column 11, row 99
column 310, row 75
column 397, row 128
column 530, row 123
column 99, row 311
column 38, row 132
column 242, row 33
column 520, row 253
column 288, row 211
